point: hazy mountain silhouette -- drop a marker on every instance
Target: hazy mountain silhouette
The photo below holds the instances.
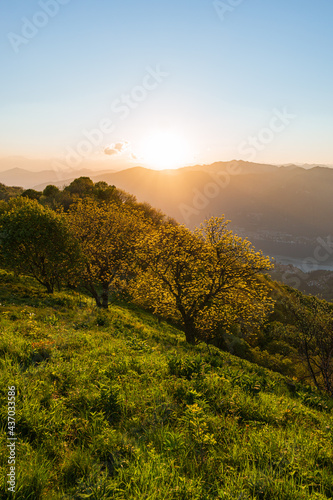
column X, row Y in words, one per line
column 282, row 210
column 28, row 173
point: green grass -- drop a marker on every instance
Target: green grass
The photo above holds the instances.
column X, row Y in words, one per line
column 116, row 405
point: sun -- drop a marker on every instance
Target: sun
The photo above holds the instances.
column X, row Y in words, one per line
column 164, row 150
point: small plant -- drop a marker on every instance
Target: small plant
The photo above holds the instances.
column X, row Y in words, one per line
column 138, row 345
column 195, row 421
column 185, row 367
column 51, row 320
column 102, row 319
column 41, row 350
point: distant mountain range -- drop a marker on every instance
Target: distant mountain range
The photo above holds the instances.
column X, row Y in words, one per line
column 282, row 210
column 38, row 180
column 27, row 173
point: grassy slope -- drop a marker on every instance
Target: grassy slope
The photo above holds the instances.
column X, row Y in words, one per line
column 117, row 406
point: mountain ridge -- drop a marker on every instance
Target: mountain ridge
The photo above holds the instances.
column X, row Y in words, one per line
column 282, row 210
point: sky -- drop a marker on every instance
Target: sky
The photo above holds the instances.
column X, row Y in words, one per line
column 167, row 84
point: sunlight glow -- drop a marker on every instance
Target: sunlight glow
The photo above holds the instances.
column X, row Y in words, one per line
column 164, row 150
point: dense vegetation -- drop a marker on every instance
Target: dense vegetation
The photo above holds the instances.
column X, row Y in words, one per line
column 118, row 329
column 210, row 280
column 7, row 192
column 115, row 404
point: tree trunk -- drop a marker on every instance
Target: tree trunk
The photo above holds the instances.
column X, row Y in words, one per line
column 308, row 360
column 105, row 295
column 190, row 331
column 91, row 289
column 49, row 287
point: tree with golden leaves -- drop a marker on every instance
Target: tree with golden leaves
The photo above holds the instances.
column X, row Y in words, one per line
column 107, row 235
column 207, row 279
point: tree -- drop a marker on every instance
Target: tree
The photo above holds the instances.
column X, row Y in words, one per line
column 314, row 321
column 32, row 194
column 51, row 191
column 51, row 197
column 102, row 191
column 107, row 235
column 154, row 215
column 209, row 280
column 35, row 241
column 82, row 186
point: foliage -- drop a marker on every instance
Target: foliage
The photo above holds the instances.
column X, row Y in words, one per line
column 81, row 186
column 106, row 234
column 32, row 194
column 51, row 191
column 209, row 280
column 314, row 321
column 36, row 241
column 7, row 192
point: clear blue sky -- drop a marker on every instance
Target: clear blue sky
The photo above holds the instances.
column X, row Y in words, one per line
column 231, row 75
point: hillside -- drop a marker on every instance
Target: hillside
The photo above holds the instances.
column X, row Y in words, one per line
column 117, row 405
column 318, row 283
